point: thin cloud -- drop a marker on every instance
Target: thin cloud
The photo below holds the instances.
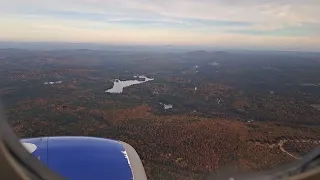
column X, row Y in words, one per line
column 163, row 20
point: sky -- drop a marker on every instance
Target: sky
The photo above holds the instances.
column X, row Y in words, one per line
column 275, row 24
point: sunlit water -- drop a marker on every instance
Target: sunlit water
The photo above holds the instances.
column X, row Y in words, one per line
column 57, row 82
column 310, row 84
column 166, row 106
column 214, row 64
column 118, row 85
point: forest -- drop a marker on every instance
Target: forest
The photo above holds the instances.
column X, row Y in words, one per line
column 251, row 111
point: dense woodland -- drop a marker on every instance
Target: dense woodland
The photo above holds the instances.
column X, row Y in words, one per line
column 245, row 110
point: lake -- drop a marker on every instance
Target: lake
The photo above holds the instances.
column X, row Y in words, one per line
column 118, row 85
column 214, row 64
column 57, row 82
column 166, row 106
column 310, row 84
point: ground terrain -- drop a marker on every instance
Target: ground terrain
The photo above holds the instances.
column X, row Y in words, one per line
column 249, row 111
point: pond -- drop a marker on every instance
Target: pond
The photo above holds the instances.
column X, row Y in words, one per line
column 166, row 106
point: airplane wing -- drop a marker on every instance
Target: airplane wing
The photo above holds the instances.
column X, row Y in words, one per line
column 87, row 157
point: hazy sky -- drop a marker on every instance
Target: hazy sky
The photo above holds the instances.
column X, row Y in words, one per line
column 283, row 24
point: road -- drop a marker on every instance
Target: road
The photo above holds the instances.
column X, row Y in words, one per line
column 285, row 151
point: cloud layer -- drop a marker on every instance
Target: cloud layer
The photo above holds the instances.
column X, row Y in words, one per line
column 283, row 24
